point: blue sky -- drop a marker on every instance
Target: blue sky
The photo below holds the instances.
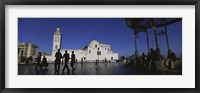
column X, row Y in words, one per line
column 79, row 32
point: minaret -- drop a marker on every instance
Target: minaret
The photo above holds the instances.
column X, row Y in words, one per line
column 57, row 37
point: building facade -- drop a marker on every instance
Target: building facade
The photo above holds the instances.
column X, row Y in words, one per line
column 26, row 50
column 90, row 53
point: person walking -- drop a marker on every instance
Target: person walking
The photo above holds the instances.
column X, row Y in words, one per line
column 66, row 57
column 73, row 60
column 38, row 62
column 44, row 62
column 153, row 59
column 58, row 56
column 171, row 58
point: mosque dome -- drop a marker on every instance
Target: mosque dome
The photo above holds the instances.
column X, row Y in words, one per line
column 94, row 44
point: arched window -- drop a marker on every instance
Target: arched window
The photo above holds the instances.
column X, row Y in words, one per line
column 89, row 51
column 111, row 58
column 56, row 47
column 95, row 46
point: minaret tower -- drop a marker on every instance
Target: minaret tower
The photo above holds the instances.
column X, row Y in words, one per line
column 57, row 37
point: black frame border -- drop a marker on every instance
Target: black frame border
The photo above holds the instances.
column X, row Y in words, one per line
column 3, row 3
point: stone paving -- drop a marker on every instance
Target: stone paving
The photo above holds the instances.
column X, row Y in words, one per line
column 89, row 69
column 81, row 69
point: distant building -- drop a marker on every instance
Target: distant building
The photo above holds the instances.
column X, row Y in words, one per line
column 44, row 54
column 90, row 53
column 26, row 50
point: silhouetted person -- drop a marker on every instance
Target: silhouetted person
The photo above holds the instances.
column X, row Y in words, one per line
column 66, row 57
column 58, row 56
column 148, row 60
column 137, row 59
column 73, row 60
column 95, row 65
column 153, row 59
column 38, row 61
column 140, row 61
column 166, row 64
column 81, row 61
column 127, row 60
column 44, row 62
column 143, row 58
column 171, row 58
column 158, row 54
column 29, row 59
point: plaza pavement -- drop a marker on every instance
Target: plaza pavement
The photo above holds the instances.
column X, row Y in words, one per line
column 91, row 69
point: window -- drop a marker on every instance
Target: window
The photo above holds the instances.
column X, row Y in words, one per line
column 111, row 58
column 56, row 38
column 95, row 46
column 56, row 46
column 22, row 53
column 18, row 50
column 98, row 52
column 89, row 51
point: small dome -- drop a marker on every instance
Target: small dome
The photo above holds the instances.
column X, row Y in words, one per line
column 57, row 31
column 94, row 43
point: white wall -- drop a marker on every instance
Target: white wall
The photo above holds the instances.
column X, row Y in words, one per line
column 90, row 57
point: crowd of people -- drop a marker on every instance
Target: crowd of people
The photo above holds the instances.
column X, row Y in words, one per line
column 58, row 57
column 149, row 60
column 141, row 61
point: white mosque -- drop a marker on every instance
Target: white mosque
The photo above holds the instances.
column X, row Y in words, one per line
column 94, row 51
